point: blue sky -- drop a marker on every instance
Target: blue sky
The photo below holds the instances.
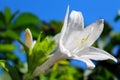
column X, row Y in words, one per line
column 55, row 9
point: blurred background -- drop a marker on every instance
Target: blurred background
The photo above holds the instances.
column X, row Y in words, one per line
column 47, row 16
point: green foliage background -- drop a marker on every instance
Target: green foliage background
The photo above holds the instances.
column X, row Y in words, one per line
column 13, row 24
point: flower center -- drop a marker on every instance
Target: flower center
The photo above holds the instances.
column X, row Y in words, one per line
column 82, row 41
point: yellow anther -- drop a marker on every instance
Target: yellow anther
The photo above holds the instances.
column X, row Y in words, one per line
column 84, row 40
column 81, row 42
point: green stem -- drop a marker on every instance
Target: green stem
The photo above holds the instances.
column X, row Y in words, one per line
column 28, row 77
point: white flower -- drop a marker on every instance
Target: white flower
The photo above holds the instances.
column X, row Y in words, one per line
column 75, row 41
column 29, row 39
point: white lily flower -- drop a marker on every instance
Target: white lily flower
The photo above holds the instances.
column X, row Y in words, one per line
column 74, row 42
column 29, row 39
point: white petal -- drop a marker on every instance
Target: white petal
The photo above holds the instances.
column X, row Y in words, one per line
column 94, row 30
column 73, row 40
column 95, row 54
column 57, row 37
column 76, row 21
column 63, row 50
column 64, row 28
column 85, row 38
column 63, row 31
column 28, row 38
column 88, row 62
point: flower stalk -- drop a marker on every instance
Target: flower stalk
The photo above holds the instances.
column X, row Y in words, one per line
column 47, row 64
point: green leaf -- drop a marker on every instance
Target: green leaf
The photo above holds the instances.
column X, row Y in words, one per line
column 2, row 19
column 43, row 77
column 39, row 53
column 107, row 30
column 51, row 46
column 9, row 35
column 6, row 47
column 12, row 34
column 1, row 24
column 24, row 68
column 51, row 28
column 13, row 72
column 25, row 47
column 46, row 46
column 8, row 15
column 39, row 37
column 56, row 26
column 14, row 15
column 26, row 18
column 115, row 38
column 2, row 64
